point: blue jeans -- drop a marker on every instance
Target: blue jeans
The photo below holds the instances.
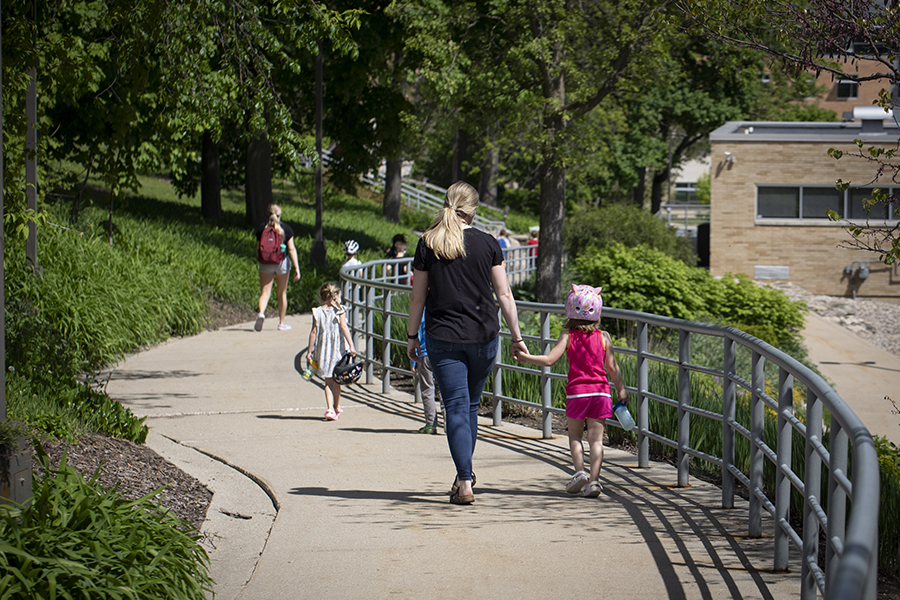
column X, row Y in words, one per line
column 461, row 371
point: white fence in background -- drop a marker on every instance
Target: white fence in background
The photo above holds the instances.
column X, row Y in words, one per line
column 426, row 196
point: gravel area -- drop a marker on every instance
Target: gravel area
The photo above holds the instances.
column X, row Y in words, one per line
column 876, row 321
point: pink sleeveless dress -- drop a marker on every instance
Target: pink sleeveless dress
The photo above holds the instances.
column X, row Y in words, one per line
column 587, row 391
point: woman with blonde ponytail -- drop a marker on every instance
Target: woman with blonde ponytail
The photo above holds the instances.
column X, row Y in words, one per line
column 457, row 270
column 278, row 272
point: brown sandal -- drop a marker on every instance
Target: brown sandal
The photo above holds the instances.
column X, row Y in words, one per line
column 457, row 498
column 455, row 487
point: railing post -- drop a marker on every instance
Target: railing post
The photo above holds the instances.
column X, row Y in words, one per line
column 782, row 482
column 370, row 332
column 684, row 399
column 837, row 500
column 497, row 387
column 729, row 412
column 757, row 431
column 643, row 383
column 546, row 381
column 813, row 481
column 386, row 343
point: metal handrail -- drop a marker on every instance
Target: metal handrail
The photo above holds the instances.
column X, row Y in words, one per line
column 851, row 544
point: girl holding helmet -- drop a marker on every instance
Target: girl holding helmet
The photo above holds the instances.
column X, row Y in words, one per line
column 592, row 364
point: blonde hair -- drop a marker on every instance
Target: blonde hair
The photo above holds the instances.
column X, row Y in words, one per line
column 445, row 235
column 581, row 325
column 328, row 294
column 275, row 218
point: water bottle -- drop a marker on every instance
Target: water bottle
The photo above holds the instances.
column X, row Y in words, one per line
column 624, row 417
column 311, row 368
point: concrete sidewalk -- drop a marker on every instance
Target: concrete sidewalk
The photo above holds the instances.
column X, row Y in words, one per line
column 860, row 372
column 305, row 508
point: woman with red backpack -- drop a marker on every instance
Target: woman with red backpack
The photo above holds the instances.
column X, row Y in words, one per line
column 276, row 253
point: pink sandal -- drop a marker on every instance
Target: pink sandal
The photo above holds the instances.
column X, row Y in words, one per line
column 330, row 415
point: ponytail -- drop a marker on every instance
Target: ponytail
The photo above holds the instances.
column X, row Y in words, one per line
column 445, row 236
column 275, row 219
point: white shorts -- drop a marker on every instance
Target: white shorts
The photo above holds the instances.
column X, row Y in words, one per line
column 282, row 268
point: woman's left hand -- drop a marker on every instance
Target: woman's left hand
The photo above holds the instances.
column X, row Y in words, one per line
column 518, row 348
column 412, row 349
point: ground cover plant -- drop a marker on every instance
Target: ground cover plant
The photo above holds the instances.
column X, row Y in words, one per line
column 76, row 540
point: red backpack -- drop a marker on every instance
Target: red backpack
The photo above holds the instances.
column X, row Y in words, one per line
column 271, row 248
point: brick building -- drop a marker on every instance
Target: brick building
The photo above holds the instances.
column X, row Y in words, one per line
column 771, row 185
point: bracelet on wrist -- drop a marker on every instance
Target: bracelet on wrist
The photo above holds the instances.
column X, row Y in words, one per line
column 412, row 336
column 518, row 340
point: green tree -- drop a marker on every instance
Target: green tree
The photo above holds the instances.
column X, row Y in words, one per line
column 549, row 63
column 133, row 86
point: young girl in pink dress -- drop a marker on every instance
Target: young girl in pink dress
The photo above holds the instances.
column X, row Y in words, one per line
column 592, row 364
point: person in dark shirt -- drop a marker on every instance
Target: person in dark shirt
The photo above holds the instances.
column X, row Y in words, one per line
column 457, row 269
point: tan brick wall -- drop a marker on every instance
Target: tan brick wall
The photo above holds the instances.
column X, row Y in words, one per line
column 738, row 243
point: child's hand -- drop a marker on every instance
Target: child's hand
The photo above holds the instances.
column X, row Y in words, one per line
column 520, row 351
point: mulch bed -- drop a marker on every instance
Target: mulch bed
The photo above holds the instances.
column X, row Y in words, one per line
column 136, row 470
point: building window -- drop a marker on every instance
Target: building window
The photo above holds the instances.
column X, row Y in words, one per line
column 813, row 203
column 847, row 90
column 778, row 202
column 816, row 201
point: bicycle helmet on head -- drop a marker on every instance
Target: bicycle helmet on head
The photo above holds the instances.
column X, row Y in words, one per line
column 584, row 302
column 351, row 247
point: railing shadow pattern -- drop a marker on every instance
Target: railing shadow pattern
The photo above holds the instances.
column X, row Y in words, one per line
column 849, row 568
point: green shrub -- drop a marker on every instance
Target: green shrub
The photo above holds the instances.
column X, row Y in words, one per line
column 77, row 540
column 889, row 516
column 648, row 280
column 624, row 224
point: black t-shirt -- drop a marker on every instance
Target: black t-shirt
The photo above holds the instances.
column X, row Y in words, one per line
column 288, row 232
column 460, row 301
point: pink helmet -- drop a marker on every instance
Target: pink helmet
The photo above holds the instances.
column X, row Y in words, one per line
column 584, row 302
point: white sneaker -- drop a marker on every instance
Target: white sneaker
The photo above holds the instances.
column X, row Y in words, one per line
column 259, row 321
column 283, row 327
column 577, row 482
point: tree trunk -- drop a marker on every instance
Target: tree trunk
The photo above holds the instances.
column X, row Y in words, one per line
column 656, row 191
column 460, row 150
column 392, row 180
column 641, row 188
column 490, row 168
column 210, row 180
column 258, row 179
column 550, row 248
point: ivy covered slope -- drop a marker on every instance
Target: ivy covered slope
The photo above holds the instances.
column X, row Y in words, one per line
column 100, row 297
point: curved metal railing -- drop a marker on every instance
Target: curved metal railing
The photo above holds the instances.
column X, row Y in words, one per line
column 850, row 565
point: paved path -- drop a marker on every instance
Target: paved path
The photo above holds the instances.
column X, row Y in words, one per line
column 860, row 372
column 305, row 508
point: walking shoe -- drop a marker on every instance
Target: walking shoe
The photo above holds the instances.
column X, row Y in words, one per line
column 578, row 481
column 428, row 429
column 593, row 490
column 259, row 321
column 330, row 415
column 338, row 411
column 283, row 327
